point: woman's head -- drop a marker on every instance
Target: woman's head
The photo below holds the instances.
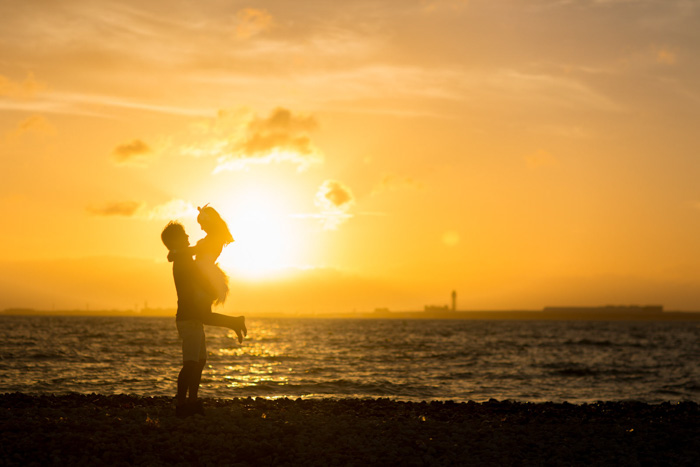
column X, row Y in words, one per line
column 211, row 222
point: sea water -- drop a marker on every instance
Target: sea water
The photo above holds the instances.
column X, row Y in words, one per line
column 412, row 360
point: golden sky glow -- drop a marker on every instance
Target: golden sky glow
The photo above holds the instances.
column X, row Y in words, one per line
column 365, row 154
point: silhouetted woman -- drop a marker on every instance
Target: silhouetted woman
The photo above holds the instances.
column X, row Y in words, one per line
column 208, row 249
column 206, row 252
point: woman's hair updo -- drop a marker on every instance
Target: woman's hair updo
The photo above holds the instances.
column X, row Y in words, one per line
column 212, row 223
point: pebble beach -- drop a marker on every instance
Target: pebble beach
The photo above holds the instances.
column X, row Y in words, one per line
column 94, row 429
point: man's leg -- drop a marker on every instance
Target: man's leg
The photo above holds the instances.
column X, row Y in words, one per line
column 183, row 384
column 193, row 352
column 199, row 364
column 194, row 403
column 188, row 374
column 196, row 378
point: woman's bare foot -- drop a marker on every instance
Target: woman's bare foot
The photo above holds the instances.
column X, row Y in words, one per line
column 239, row 328
column 243, row 328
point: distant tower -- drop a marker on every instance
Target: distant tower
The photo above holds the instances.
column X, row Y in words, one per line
column 454, row 300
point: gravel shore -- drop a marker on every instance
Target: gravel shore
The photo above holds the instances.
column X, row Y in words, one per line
column 132, row 430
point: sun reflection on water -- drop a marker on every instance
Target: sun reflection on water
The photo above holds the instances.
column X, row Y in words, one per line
column 259, row 361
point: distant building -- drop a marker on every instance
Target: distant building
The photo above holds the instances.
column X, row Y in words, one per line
column 444, row 307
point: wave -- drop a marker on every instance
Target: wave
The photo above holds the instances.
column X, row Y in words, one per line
column 683, row 387
column 571, row 369
column 587, row 342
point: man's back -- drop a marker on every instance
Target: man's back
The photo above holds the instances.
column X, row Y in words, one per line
column 190, row 286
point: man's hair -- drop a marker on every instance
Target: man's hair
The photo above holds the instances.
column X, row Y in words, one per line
column 170, row 233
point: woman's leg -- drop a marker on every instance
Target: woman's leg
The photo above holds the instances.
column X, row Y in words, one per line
column 235, row 323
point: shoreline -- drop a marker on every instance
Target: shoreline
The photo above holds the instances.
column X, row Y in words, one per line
column 460, row 315
column 136, row 430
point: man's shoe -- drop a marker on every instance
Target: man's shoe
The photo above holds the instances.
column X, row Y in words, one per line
column 197, row 408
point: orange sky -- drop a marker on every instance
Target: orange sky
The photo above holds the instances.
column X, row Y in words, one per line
column 365, row 154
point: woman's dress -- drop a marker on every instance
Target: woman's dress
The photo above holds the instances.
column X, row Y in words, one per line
column 207, row 251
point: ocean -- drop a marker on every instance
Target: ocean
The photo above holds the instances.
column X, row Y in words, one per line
column 409, row 360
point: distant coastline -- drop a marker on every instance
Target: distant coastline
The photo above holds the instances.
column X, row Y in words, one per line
column 562, row 313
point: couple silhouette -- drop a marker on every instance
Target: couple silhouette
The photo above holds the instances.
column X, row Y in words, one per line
column 200, row 283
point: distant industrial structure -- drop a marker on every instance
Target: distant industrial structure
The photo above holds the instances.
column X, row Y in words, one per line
column 453, row 307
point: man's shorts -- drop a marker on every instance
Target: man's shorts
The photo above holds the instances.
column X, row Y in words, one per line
column 194, row 347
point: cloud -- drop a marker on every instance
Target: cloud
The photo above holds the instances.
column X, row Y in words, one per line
column 118, row 208
column 280, row 137
column 26, row 89
column 275, row 155
column 251, row 22
column 174, row 209
column 36, row 124
column 333, row 195
column 283, row 120
column 131, row 153
column 334, row 200
column 267, row 143
column 240, row 139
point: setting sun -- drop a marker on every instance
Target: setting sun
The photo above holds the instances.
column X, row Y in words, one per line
column 265, row 238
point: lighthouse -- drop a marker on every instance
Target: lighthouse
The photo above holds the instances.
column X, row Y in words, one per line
column 454, row 300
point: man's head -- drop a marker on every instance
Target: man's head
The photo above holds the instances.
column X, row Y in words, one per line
column 174, row 236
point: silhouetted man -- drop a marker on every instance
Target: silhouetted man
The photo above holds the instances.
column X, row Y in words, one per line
column 191, row 305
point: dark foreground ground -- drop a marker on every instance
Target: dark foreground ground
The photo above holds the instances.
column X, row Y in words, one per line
column 131, row 430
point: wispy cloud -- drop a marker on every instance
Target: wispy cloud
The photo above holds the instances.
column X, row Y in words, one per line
column 116, row 209
column 171, row 210
column 82, row 103
column 28, row 88
column 132, row 153
column 174, row 209
column 251, row 22
column 36, row 124
column 392, row 182
column 416, row 90
column 544, row 89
